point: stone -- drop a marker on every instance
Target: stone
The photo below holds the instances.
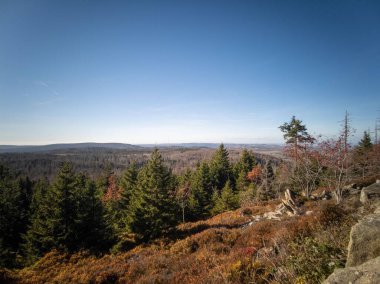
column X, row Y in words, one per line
column 354, row 191
column 373, row 191
column 272, row 215
column 363, row 196
column 366, row 273
column 351, row 186
column 364, row 241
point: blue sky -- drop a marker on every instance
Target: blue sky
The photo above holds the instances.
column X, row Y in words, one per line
column 185, row 71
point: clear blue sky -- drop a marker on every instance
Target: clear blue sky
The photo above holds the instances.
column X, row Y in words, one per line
column 185, row 71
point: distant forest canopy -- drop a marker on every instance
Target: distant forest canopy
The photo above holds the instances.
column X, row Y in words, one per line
column 74, row 211
column 94, row 160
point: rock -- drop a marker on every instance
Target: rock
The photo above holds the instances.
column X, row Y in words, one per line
column 373, row 191
column 272, row 215
column 366, row 273
column 363, row 196
column 353, row 191
column 325, row 195
column 351, row 186
column 364, row 240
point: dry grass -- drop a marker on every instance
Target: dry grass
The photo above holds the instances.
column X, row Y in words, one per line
column 218, row 250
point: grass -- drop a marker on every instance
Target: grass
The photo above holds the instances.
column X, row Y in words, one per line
column 301, row 249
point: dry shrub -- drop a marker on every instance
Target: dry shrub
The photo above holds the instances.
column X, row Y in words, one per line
column 8, row 276
column 212, row 238
column 218, row 250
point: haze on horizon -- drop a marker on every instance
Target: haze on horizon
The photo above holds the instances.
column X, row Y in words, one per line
column 185, row 71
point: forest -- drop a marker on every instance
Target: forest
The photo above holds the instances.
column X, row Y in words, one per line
column 125, row 209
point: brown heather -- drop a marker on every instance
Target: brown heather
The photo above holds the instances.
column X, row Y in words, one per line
column 218, row 250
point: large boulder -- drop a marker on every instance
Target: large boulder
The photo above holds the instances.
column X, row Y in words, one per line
column 370, row 192
column 366, row 273
column 364, row 240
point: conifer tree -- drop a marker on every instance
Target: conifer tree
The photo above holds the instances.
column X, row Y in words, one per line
column 38, row 238
column 14, row 215
column 201, row 192
column 220, row 168
column 243, row 167
column 295, row 133
column 68, row 216
column 365, row 143
column 247, row 161
column 227, row 200
column 153, row 208
column 127, row 186
column 90, row 225
column 362, row 154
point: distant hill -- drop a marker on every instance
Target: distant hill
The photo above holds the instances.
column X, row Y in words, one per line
column 68, row 146
column 130, row 147
column 262, row 147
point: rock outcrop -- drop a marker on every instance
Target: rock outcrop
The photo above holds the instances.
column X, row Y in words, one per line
column 366, row 273
column 364, row 240
column 370, row 192
column 363, row 259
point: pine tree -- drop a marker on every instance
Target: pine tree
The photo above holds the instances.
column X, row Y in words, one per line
column 153, row 208
column 121, row 209
column 227, row 200
column 220, row 168
column 295, row 133
column 68, row 216
column 247, row 161
column 90, row 224
column 14, row 215
column 128, row 185
column 243, row 167
column 201, row 193
column 365, row 143
column 362, row 154
column 38, row 238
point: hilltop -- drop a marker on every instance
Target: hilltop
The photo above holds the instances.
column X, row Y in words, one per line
column 228, row 248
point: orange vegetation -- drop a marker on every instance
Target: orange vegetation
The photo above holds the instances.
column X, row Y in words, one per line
column 222, row 249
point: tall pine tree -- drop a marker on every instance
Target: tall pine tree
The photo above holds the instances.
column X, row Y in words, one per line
column 68, row 216
column 153, row 208
column 220, row 168
column 14, row 215
column 201, row 193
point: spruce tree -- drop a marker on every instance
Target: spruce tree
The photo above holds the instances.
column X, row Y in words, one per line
column 220, row 168
column 127, row 185
column 38, row 238
column 247, row 161
column 201, row 192
column 365, row 143
column 153, row 208
column 227, row 200
column 14, row 215
column 90, row 225
column 68, row 216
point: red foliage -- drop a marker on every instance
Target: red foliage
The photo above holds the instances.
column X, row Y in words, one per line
column 113, row 191
column 255, row 174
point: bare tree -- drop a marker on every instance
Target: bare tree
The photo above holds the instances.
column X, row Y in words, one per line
column 335, row 158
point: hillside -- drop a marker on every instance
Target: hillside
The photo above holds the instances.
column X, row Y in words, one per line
column 38, row 162
column 227, row 248
column 65, row 147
